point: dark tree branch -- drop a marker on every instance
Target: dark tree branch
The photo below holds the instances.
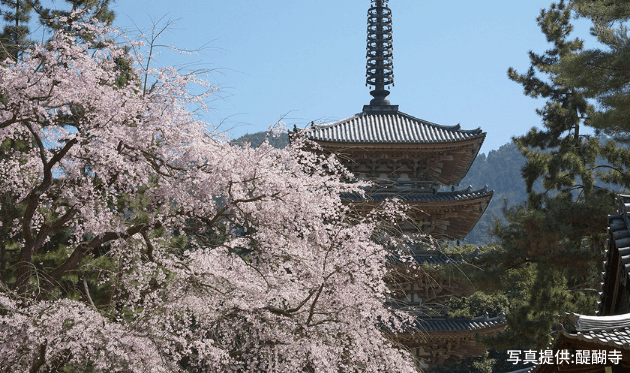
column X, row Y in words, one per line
column 85, row 247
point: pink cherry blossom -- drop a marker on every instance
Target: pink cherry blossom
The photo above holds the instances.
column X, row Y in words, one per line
column 207, row 256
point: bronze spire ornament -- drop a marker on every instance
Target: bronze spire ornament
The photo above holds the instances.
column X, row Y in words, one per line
column 380, row 63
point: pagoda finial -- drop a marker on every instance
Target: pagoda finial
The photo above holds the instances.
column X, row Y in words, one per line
column 380, row 64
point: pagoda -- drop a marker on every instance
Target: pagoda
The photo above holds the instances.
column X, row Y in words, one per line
column 405, row 156
column 414, row 160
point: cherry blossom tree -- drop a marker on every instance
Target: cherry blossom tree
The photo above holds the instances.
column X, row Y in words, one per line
column 143, row 242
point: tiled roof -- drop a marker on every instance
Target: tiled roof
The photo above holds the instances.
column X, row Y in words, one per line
column 461, row 195
column 429, row 325
column 604, row 330
column 618, row 252
column 582, row 323
column 395, row 127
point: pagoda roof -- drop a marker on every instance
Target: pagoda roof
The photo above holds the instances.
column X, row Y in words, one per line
column 390, row 128
column 459, row 324
column 418, row 197
column 465, row 206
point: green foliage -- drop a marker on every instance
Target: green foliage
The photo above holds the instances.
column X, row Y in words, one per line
column 552, row 243
column 59, row 18
column 602, row 11
column 545, row 293
column 98, row 9
column 16, row 15
column 14, row 37
column 480, row 303
column 565, row 233
column 571, row 77
column 602, row 73
column 545, row 265
column 571, row 160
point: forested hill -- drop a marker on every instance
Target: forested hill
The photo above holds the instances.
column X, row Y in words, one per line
column 500, row 170
column 257, row 138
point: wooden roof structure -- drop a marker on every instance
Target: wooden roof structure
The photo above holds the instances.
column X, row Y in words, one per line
column 443, row 215
column 615, row 289
column 441, row 341
column 592, row 344
column 608, row 332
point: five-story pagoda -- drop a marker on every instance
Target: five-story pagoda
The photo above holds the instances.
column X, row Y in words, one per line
column 411, row 159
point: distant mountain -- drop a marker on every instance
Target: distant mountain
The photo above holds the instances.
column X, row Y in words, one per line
column 255, row 139
column 500, row 170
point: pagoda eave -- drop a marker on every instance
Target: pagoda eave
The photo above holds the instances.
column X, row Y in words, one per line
column 403, row 145
column 449, row 215
column 441, row 342
column 395, row 127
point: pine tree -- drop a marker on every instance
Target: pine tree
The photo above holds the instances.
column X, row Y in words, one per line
column 96, row 9
column 551, row 244
column 603, row 74
column 14, row 38
column 16, row 15
column 560, row 155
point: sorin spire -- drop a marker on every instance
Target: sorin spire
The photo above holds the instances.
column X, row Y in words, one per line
column 380, row 63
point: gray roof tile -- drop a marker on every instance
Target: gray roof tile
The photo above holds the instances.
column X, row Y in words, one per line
column 583, row 323
column 429, row 325
column 461, row 195
column 604, row 330
column 395, row 127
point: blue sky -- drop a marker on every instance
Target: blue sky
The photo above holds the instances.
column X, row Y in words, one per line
column 305, row 60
